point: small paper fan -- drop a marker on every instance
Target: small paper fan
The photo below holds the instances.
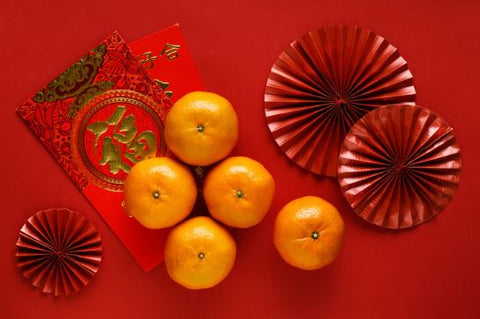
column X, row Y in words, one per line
column 323, row 83
column 59, row 251
column 399, row 166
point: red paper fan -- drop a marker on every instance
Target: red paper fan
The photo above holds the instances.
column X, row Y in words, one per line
column 399, row 166
column 59, row 251
column 323, row 83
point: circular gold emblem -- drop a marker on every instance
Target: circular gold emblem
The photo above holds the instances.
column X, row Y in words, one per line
column 112, row 132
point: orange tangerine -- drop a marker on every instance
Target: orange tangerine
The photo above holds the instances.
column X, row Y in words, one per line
column 201, row 128
column 308, row 233
column 239, row 192
column 199, row 253
column 159, row 192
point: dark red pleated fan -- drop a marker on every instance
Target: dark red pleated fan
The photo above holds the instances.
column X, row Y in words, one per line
column 399, row 166
column 59, row 251
column 323, row 83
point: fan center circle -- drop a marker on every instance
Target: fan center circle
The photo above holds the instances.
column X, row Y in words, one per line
column 400, row 167
column 340, row 102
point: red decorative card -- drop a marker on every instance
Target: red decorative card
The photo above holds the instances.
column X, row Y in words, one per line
column 166, row 56
column 100, row 117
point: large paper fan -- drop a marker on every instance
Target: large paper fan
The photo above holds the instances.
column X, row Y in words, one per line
column 399, row 166
column 59, row 251
column 323, row 83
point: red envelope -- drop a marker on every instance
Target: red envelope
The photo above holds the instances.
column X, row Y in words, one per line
column 165, row 55
column 104, row 114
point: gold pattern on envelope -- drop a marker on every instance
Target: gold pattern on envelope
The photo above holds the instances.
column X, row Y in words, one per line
column 76, row 82
column 164, row 86
column 116, row 142
column 142, row 145
column 170, row 51
column 149, row 58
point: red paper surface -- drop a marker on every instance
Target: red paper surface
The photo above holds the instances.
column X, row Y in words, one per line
column 105, row 113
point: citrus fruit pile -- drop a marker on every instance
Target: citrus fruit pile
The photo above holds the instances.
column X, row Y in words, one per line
column 201, row 129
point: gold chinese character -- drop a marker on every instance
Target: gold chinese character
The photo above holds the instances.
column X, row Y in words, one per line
column 164, row 86
column 170, row 51
column 142, row 146
column 124, row 132
column 111, row 156
column 149, row 58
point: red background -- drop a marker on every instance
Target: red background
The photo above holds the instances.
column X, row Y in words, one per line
column 431, row 271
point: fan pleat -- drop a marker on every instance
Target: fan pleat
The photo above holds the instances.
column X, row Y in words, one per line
column 331, row 77
column 399, row 166
column 59, row 251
